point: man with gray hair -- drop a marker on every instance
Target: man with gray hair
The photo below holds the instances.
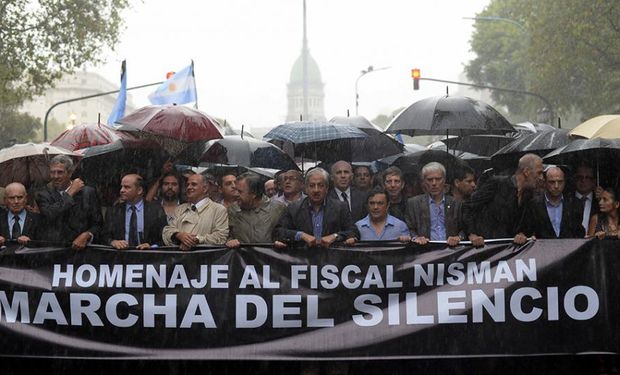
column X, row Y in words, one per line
column 434, row 216
column 252, row 218
column 16, row 223
column 317, row 220
column 69, row 209
column 498, row 207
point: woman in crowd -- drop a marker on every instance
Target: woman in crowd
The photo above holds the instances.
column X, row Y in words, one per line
column 605, row 223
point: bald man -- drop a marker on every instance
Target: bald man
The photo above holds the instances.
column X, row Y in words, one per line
column 342, row 180
column 16, row 223
column 133, row 223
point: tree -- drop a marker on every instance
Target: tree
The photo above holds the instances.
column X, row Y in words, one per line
column 41, row 40
column 17, row 127
column 568, row 51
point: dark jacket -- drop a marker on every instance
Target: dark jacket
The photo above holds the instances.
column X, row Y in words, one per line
column 358, row 202
column 539, row 224
column 154, row 222
column 29, row 229
column 493, row 210
column 63, row 217
column 297, row 217
column 419, row 216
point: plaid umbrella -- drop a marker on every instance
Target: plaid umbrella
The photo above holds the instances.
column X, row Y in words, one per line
column 302, row 132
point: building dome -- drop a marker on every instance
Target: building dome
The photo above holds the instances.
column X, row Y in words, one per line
column 297, row 72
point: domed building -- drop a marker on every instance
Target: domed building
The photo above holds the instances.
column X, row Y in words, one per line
column 305, row 88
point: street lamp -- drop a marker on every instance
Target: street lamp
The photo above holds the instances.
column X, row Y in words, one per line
column 370, row 69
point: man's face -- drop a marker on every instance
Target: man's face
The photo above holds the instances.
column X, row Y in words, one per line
column 378, row 207
column 130, row 191
column 59, row 176
column 584, row 180
column 170, row 188
column 316, row 189
column 362, row 178
column 196, row 189
column 291, row 183
column 434, row 183
column 15, row 200
column 466, row 186
column 342, row 175
column 535, row 177
column 393, row 185
column 229, row 190
column 270, row 188
column 246, row 198
column 554, row 183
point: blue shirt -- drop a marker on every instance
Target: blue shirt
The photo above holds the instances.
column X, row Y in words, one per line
column 555, row 214
column 139, row 216
column 393, row 229
column 11, row 221
column 438, row 219
column 317, row 221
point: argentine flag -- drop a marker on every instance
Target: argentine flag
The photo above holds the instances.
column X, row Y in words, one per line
column 119, row 107
column 179, row 89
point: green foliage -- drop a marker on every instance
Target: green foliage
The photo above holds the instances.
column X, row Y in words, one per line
column 17, row 127
column 568, row 51
column 41, row 40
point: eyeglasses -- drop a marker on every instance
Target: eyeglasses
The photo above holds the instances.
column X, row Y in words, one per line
column 582, row 178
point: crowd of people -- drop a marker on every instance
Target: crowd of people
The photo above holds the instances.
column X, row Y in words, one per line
column 346, row 204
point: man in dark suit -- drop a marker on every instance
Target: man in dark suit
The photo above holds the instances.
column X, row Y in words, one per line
column 133, row 222
column 317, row 220
column 69, row 210
column 585, row 189
column 434, row 216
column 497, row 209
column 342, row 178
column 551, row 214
column 16, row 223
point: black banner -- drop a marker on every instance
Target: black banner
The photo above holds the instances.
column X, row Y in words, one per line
column 547, row 297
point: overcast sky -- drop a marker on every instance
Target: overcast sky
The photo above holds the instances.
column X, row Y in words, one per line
column 244, row 50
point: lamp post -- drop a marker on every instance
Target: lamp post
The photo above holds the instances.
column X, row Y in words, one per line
column 370, row 69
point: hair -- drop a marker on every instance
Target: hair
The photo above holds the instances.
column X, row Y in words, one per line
column 433, row 167
column 172, row 174
column 375, row 191
column 554, row 167
column 527, row 161
column 220, row 179
column 139, row 180
column 319, row 171
column 255, row 183
column 393, row 170
column 66, row 161
column 362, row 166
column 615, row 194
column 461, row 173
column 340, row 162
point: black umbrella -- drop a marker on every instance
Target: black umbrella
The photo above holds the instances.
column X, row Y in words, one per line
column 479, row 144
column 455, row 115
column 413, row 163
column 376, row 146
column 359, row 122
column 537, row 143
column 247, row 152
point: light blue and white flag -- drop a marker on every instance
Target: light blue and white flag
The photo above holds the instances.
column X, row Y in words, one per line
column 179, row 89
column 118, row 112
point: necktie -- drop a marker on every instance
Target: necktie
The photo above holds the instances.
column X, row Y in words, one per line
column 16, row 230
column 194, row 208
column 133, row 228
column 345, row 199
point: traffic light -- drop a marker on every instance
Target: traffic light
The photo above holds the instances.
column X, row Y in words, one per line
column 415, row 74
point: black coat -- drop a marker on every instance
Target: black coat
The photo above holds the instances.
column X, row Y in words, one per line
column 154, row 223
column 63, row 217
column 297, row 217
column 30, row 227
column 539, row 224
column 358, row 202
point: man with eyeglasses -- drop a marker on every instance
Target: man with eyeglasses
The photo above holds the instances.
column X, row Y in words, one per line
column 292, row 187
column 585, row 184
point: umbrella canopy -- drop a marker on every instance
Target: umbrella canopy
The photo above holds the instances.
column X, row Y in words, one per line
column 359, row 122
column 537, row 143
column 455, row 115
column 87, row 135
column 303, row 132
column 378, row 144
column 172, row 121
column 531, row 127
column 247, row 152
column 28, row 163
column 415, row 161
column 479, row 144
column 606, row 126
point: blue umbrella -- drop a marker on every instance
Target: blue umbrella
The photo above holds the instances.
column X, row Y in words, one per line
column 302, row 132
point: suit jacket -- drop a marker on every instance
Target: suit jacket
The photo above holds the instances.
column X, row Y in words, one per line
column 297, row 217
column 419, row 216
column 539, row 224
column 29, row 229
column 154, row 222
column 64, row 217
column 493, row 210
column 358, row 202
